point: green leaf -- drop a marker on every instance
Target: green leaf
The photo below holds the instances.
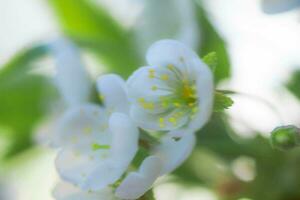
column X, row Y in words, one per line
column 211, row 60
column 211, row 41
column 293, row 84
column 92, row 27
column 222, row 102
column 24, row 98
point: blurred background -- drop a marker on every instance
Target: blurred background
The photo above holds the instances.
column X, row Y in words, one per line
column 258, row 48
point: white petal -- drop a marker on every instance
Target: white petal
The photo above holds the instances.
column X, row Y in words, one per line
column 205, row 93
column 72, row 79
column 65, row 191
column 83, row 126
column 140, row 85
column 166, row 52
column 80, row 129
column 113, row 90
column 174, row 153
column 275, row 6
column 123, row 149
column 151, row 121
column 138, row 183
column 75, row 165
column 189, row 33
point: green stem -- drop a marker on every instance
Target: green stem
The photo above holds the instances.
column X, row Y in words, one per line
column 257, row 98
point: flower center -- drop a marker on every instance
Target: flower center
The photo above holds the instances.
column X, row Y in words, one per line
column 188, row 94
column 180, row 100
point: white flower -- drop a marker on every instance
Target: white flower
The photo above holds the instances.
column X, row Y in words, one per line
column 275, row 6
column 167, row 156
column 174, row 93
column 65, row 191
column 98, row 143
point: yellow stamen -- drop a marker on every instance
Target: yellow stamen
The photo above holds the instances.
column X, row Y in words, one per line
column 162, row 122
column 141, row 100
column 151, row 73
column 164, row 77
column 170, row 66
column 173, row 120
column 101, row 97
column 154, row 88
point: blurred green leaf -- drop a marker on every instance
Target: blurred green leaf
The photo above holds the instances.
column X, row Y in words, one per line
column 293, row 84
column 24, row 97
column 211, row 41
column 91, row 26
column 222, row 102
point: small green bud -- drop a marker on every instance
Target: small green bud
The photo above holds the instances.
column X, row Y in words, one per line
column 285, row 137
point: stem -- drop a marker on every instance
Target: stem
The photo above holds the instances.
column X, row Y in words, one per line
column 257, row 98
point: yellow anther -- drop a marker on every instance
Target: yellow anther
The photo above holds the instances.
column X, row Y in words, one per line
column 151, row 73
column 170, row 66
column 148, row 106
column 101, row 97
column 154, row 88
column 141, row 100
column 173, row 120
column 161, row 122
column 164, row 77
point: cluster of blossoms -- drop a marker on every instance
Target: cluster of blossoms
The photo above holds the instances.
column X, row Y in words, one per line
column 169, row 100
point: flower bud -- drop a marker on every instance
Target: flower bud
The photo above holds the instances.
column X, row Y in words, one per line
column 285, row 137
